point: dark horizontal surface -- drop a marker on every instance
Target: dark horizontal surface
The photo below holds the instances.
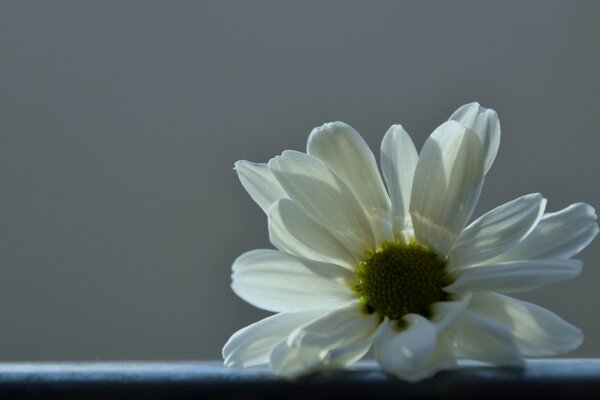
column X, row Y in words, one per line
column 540, row 379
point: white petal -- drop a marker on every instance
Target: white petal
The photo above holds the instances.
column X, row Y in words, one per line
column 446, row 187
column 349, row 354
column 478, row 338
column 331, row 341
column 412, row 353
column 513, row 277
column 398, row 162
column 326, row 198
column 279, row 282
column 259, row 182
column 558, row 235
column 294, row 361
column 445, row 312
column 289, row 361
column 496, row 231
column 253, row 344
column 293, row 231
column 485, row 123
column 538, row 332
column 343, row 149
column 338, row 328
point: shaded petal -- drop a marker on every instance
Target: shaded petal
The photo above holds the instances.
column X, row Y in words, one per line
column 331, row 341
column 446, row 187
column 294, row 361
column 279, row 282
column 326, row 198
column 289, row 361
column 558, row 235
column 485, row 123
column 338, row 328
column 344, row 151
column 348, row 355
column 293, row 231
column 412, row 353
column 252, row 345
column 398, row 163
column 477, row 338
column 260, row 183
column 513, row 277
column 496, row 231
column 443, row 313
column 538, row 332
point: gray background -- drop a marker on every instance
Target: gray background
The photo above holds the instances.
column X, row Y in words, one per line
column 120, row 122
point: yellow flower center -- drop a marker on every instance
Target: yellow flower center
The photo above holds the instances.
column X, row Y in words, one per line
column 400, row 279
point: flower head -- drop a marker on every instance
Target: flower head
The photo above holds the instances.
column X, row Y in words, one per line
column 399, row 271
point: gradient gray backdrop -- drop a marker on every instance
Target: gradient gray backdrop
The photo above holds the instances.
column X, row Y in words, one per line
column 120, row 121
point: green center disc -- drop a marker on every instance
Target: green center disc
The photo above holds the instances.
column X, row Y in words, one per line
column 401, row 279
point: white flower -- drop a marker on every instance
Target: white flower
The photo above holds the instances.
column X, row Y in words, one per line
column 358, row 267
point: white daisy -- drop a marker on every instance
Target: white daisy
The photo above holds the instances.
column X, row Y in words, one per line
column 358, row 267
